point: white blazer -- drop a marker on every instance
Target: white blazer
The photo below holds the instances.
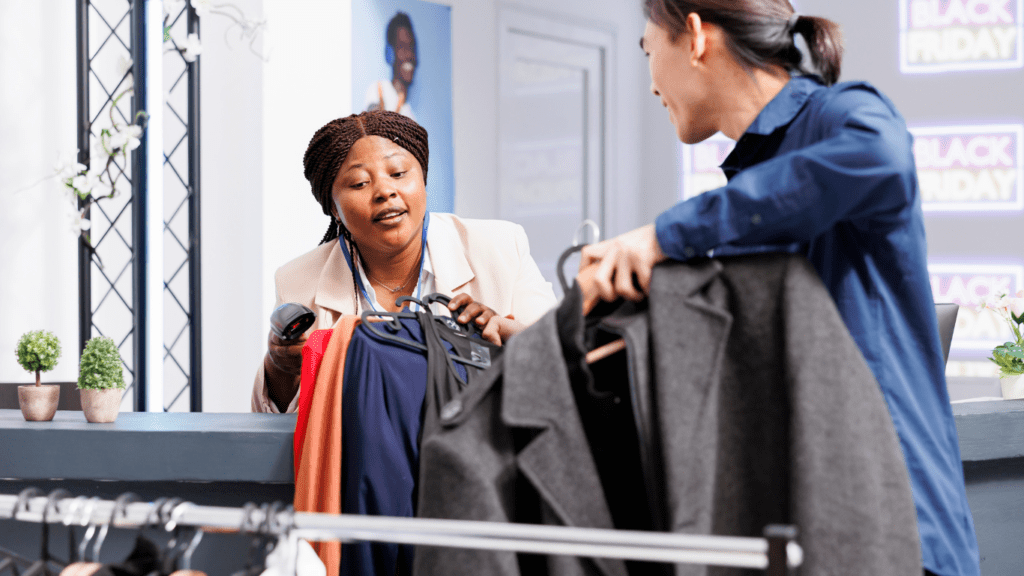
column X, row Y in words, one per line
column 487, row 259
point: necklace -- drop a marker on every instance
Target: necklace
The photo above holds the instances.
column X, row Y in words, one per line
column 383, row 285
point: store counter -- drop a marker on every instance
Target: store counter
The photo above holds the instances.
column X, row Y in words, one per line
column 229, row 459
column 209, row 459
column 992, row 448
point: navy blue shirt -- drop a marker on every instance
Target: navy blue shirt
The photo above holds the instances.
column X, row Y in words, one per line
column 831, row 171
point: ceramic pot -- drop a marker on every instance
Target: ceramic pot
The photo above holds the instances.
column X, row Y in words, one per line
column 101, row 406
column 38, row 403
column 1013, row 387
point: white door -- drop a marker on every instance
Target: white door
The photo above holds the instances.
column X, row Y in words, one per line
column 552, row 132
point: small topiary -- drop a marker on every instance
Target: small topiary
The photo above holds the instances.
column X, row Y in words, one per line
column 100, row 367
column 38, row 351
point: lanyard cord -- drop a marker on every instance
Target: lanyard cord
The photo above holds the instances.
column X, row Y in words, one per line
column 359, row 277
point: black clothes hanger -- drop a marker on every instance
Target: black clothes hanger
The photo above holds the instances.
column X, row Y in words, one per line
column 471, row 328
column 561, row 265
column 392, row 326
column 262, row 544
column 42, row 566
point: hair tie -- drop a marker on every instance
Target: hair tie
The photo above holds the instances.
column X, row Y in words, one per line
column 791, row 23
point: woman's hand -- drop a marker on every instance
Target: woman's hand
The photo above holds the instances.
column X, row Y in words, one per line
column 621, row 259
column 496, row 329
column 282, row 368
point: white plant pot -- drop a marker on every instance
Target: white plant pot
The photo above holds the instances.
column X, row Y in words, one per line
column 1013, row 387
column 101, row 406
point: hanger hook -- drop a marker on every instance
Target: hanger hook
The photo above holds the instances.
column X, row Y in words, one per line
column 23, row 497
column 69, row 514
column 186, row 557
column 52, row 500
column 90, row 507
column 247, row 523
column 120, row 507
column 588, row 223
column 175, row 510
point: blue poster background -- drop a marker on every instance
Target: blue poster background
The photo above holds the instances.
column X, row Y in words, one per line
column 430, row 94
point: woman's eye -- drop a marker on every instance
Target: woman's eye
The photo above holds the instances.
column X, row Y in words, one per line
column 399, row 174
column 358, row 185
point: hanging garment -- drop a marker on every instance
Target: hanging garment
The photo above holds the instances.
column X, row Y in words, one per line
column 312, row 357
column 143, row 560
column 318, row 473
column 762, row 410
column 387, row 390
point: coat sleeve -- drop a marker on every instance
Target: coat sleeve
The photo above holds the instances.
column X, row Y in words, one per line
column 861, row 171
column 261, row 401
column 532, row 296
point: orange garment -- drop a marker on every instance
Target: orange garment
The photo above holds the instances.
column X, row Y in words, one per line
column 318, row 472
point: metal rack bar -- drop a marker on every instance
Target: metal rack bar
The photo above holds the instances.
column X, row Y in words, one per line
column 783, row 553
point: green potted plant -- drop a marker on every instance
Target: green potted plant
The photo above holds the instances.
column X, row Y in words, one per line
column 101, row 380
column 38, row 351
column 1009, row 356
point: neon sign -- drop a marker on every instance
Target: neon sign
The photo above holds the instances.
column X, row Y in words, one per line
column 970, row 168
column 954, row 35
column 969, row 285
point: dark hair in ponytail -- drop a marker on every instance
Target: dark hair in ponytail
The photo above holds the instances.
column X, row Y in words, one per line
column 760, row 33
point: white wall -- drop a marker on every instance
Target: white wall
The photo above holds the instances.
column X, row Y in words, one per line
column 38, row 252
column 232, row 193
column 257, row 119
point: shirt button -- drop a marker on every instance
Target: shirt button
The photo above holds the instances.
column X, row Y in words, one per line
column 451, row 409
column 755, row 219
column 689, row 252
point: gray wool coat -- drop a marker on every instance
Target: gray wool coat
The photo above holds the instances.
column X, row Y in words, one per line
column 763, row 409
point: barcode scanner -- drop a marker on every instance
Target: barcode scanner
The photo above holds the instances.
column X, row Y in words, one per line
column 290, row 320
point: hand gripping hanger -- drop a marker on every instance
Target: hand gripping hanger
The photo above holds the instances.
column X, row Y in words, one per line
column 392, row 326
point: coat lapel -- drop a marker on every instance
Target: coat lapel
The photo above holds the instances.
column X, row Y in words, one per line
column 447, row 251
column 334, row 288
column 537, row 395
column 689, row 326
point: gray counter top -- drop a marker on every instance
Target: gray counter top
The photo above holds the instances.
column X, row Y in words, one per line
column 204, row 447
column 992, row 430
column 193, row 447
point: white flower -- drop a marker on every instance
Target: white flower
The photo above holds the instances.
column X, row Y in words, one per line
column 79, row 223
column 133, row 136
column 84, row 183
column 1016, row 305
column 191, row 48
column 67, row 167
column 202, row 7
column 124, row 67
column 173, row 7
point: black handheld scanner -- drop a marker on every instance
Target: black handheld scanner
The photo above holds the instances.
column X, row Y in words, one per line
column 290, row 320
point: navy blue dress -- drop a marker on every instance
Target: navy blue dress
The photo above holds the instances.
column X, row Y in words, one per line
column 389, row 393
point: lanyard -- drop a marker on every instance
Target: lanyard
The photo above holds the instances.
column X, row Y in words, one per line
column 359, row 277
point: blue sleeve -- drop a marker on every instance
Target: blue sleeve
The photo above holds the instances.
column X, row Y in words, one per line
column 861, row 170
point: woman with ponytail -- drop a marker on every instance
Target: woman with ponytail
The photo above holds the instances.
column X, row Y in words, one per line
column 368, row 172
column 825, row 169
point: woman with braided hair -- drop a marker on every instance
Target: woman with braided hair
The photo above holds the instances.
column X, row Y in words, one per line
column 826, row 170
column 368, row 171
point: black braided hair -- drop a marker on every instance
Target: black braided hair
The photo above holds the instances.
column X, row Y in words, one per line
column 331, row 144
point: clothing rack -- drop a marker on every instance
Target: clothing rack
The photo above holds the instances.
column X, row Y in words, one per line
column 776, row 553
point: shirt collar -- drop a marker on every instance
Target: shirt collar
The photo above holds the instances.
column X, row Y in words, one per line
column 785, row 106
